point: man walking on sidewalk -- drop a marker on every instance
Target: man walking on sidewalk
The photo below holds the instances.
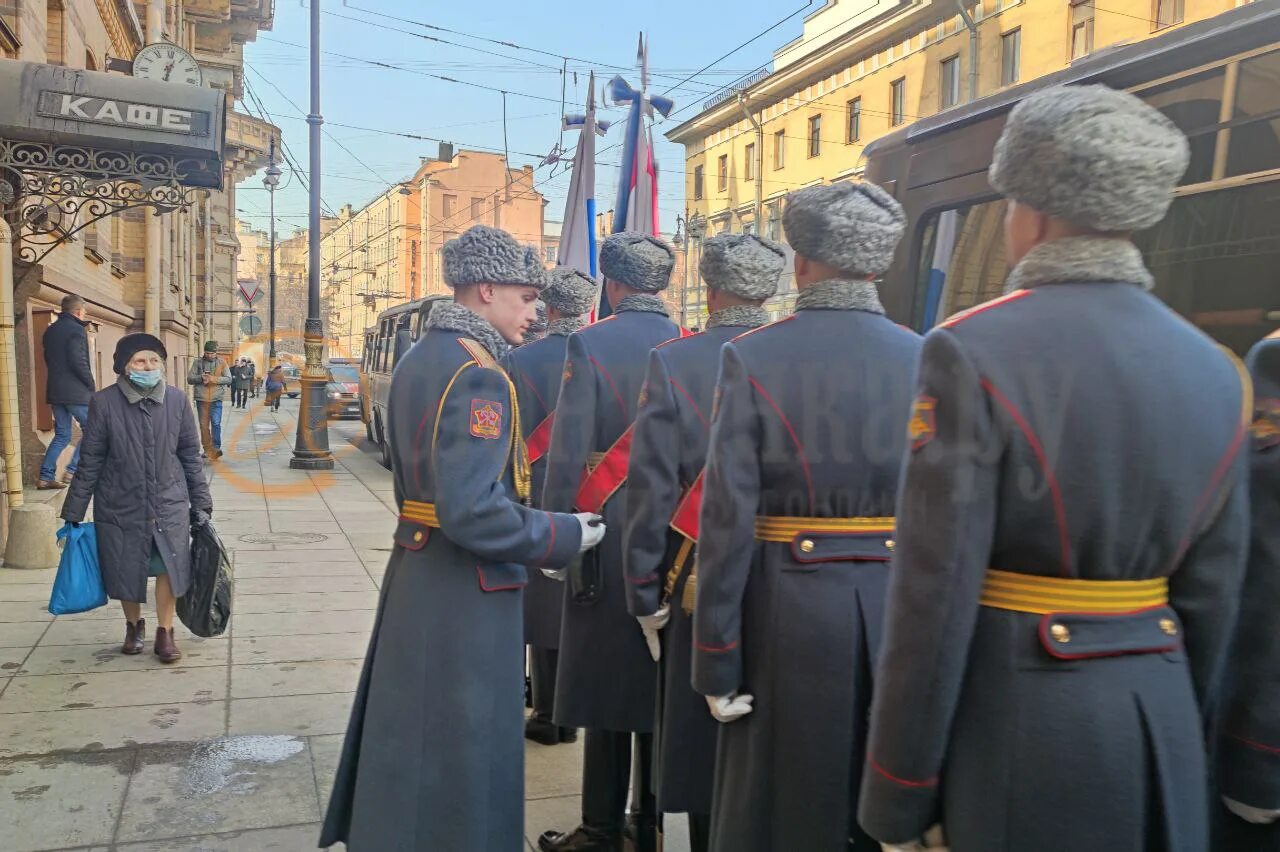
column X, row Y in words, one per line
column 70, row 385
column 210, row 377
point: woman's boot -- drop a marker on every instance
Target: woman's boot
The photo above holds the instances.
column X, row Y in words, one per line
column 135, row 634
column 166, row 649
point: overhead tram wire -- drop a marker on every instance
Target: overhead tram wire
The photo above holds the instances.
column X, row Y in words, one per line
column 286, row 153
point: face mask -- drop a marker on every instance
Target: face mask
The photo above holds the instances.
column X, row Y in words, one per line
column 146, row 378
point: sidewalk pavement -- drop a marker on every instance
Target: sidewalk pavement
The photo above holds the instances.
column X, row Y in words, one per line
column 234, row 747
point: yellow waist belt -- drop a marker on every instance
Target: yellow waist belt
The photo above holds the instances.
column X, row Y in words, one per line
column 1041, row 595
column 423, row 513
column 784, row 528
column 594, row 459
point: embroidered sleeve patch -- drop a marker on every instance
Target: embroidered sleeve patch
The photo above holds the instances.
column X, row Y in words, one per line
column 1266, row 424
column 567, row 374
column 644, row 395
column 486, row 419
column 923, row 423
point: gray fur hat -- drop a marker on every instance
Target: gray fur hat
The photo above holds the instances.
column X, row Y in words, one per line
column 637, row 261
column 742, row 264
column 1090, row 155
column 854, row 227
column 570, row 292
column 484, row 255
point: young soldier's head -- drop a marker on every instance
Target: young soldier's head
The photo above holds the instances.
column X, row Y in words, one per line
column 634, row 263
column 844, row 230
column 740, row 269
column 1084, row 161
column 569, row 294
column 496, row 278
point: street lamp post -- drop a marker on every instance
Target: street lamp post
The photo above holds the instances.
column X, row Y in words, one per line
column 311, row 448
column 271, row 181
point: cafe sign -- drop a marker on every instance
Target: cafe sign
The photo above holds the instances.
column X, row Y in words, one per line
column 122, row 113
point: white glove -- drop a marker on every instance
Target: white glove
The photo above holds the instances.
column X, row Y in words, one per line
column 592, row 530
column 1248, row 813
column 651, row 624
column 727, row 708
column 560, row 574
column 933, row 841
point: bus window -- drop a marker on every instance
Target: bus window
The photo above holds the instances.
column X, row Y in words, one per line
column 1194, row 104
column 962, row 262
column 1254, row 144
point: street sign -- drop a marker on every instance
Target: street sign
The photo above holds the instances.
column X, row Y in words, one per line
column 250, row 326
column 250, row 292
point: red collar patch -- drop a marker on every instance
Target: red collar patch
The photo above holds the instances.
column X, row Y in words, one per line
column 486, row 419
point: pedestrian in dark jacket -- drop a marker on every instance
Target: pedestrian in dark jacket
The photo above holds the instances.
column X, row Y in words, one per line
column 1072, row 526
column 210, row 376
column 69, row 386
column 433, row 760
column 240, row 380
column 141, row 467
column 251, row 369
column 275, row 387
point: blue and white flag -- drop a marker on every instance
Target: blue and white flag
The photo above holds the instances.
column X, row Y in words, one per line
column 578, row 233
column 944, row 245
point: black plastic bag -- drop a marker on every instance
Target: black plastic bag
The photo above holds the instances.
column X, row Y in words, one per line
column 206, row 607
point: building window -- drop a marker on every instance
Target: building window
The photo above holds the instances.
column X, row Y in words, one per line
column 697, row 182
column 773, row 222
column 815, row 135
column 722, row 174
column 1081, row 29
column 749, row 157
column 950, row 83
column 1010, row 57
column 855, row 119
column 477, row 208
column 549, row 253
column 898, row 97
column 779, row 149
column 450, row 205
column 53, row 33
column 1168, row 13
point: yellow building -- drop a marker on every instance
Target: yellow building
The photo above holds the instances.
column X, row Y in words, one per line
column 863, row 68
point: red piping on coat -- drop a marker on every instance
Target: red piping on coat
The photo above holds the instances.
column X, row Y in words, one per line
column 1256, row 745
column 484, row 588
column 1219, row 472
column 533, row 388
column 693, row 404
column 1059, row 508
column 608, row 378
column 1047, row 643
column 930, row 782
column 716, row 649
column 813, row 500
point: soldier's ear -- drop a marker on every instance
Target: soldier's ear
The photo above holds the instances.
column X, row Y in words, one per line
column 487, row 293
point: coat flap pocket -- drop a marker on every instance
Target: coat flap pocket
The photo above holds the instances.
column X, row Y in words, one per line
column 412, row 535
column 1081, row 636
column 809, row 547
column 501, row 576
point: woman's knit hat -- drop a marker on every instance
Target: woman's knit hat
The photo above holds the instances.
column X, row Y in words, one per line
column 132, row 344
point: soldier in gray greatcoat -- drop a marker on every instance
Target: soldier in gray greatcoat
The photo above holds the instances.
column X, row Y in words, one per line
column 1249, row 731
column 796, row 529
column 606, row 680
column 434, row 756
column 535, row 369
column 1072, row 524
column 668, row 451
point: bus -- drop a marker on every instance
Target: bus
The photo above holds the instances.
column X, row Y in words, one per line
column 385, row 344
column 1216, row 254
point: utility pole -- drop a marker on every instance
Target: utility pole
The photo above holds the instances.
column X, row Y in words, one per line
column 272, row 180
column 311, row 448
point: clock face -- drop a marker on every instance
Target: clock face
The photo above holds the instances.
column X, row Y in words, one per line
column 167, row 63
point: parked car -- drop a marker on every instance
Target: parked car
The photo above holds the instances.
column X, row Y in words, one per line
column 343, row 389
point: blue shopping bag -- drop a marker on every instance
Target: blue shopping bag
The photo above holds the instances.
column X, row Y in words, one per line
column 78, row 586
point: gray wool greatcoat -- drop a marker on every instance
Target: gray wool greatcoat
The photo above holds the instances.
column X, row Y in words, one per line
column 810, row 422
column 434, row 753
column 1078, row 430
column 535, row 370
column 1248, row 758
column 140, row 463
column 606, row 679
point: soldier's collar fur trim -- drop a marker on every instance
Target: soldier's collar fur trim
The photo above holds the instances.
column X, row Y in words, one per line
column 1080, row 260
column 566, row 325
column 642, row 302
column 455, row 317
column 840, row 294
column 739, row 316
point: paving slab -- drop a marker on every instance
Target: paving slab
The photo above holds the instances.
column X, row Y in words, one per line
column 325, row 753
column 25, row 611
column 298, row 649
column 73, row 630
column 315, row 678
column 15, row 592
column 169, row 685
column 295, row 838
column 226, row 784
column 301, row 581
column 77, row 659
column 248, row 571
column 307, row 602
column 302, row 715
column 89, row 730
column 244, row 624
column 283, row 557
column 552, row 771
column 59, row 802
column 9, row 576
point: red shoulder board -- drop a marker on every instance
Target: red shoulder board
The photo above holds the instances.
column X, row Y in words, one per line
column 956, row 319
column 763, row 327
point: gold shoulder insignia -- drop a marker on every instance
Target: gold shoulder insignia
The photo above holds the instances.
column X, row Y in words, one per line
column 923, row 424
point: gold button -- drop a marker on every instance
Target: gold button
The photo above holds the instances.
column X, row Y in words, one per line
column 890, row 544
column 1060, row 633
column 807, row 546
column 1169, row 626
column 418, row 536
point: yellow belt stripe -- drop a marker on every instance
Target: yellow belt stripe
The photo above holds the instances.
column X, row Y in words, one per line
column 1041, row 595
column 784, row 528
column 423, row 513
column 594, row 459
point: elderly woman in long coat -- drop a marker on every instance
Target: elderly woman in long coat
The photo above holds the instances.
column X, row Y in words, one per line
column 140, row 462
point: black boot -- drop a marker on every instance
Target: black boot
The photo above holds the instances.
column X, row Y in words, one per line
column 542, row 731
column 582, row 839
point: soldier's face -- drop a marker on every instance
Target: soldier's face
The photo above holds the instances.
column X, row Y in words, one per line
column 512, row 310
